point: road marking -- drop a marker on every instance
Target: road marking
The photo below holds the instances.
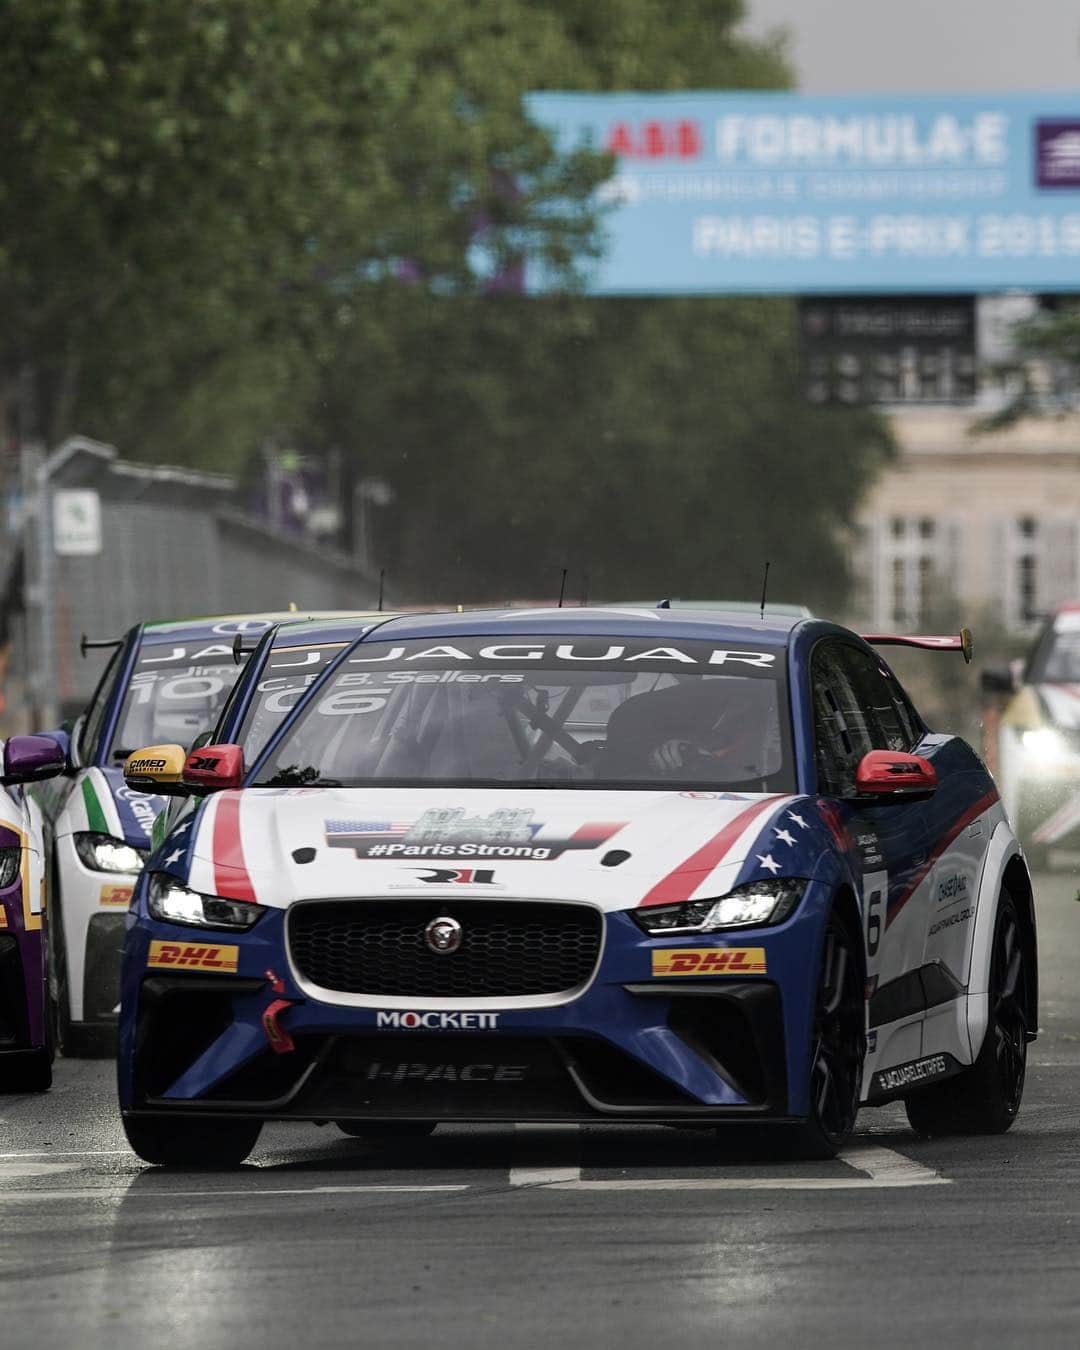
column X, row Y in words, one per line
column 532, row 1135
column 254, row 1192
column 883, row 1169
column 35, row 1169
column 61, row 1153
column 886, row 1167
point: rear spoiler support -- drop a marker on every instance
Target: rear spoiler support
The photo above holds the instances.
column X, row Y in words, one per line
column 963, row 643
column 93, row 644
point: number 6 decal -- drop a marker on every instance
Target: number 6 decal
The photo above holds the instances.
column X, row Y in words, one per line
column 875, row 893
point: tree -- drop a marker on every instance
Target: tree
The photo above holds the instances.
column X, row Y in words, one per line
column 660, row 446
column 192, row 185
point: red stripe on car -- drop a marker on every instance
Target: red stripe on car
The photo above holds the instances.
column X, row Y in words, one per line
column 972, row 813
column 231, row 877
column 680, row 884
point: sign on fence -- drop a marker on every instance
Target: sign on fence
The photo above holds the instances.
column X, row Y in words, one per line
column 76, row 521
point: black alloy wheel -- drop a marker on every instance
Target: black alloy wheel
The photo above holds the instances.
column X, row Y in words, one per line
column 838, row 1044
column 985, row 1099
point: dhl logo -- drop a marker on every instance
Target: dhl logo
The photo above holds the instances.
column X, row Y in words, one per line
column 192, row 956
column 709, row 961
column 115, row 895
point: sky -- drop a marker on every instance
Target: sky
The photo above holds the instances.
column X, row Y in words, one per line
column 873, row 46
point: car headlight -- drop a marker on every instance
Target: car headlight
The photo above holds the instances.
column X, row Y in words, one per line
column 172, row 902
column 759, row 903
column 1045, row 745
column 10, row 861
column 103, row 853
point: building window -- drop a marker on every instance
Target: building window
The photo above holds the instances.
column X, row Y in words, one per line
column 910, row 556
column 1024, row 551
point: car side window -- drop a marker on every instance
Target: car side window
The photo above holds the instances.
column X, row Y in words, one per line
column 910, row 723
column 841, row 734
column 95, row 714
column 875, row 694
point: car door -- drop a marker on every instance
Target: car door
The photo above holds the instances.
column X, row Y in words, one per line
column 854, row 713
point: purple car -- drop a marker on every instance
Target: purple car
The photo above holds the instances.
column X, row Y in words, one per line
column 26, row 1048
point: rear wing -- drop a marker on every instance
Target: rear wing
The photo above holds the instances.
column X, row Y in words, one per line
column 963, row 643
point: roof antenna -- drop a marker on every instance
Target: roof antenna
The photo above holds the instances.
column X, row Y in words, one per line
column 382, row 578
column 764, row 590
column 562, row 588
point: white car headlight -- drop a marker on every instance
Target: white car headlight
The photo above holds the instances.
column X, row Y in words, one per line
column 1045, row 745
column 173, row 902
column 103, row 853
column 751, row 906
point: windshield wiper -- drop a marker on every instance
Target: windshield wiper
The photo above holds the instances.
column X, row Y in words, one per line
column 294, row 776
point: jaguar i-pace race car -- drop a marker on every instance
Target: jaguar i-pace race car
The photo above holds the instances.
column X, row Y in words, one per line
column 163, row 682
column 589, row 865
column 1039, row 741
column 26, row 1048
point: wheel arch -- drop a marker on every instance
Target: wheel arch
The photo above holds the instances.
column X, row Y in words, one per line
column 1017, row 881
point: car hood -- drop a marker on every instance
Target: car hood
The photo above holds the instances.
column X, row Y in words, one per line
column 615, row 849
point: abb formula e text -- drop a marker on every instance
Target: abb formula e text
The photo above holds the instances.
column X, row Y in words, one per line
column 623, row 865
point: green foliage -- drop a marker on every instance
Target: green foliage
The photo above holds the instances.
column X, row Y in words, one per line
column 234, row 220
column 190, row 183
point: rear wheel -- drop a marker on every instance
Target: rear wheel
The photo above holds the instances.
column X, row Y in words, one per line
column 985, row 1099
column 838, row 1045
column 170, row 1141
column 387, row 1132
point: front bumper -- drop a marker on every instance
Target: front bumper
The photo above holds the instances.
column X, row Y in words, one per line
column 234, row 1033
column 93, row 907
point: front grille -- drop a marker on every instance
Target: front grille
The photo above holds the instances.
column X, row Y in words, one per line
column 507, row 949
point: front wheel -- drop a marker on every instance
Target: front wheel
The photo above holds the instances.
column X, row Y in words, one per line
column 838, row 1045
column 172, row 1141
column 985, row 1099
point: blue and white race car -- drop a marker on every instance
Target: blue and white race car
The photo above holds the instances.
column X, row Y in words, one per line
column 622, row 865
column 163, row 682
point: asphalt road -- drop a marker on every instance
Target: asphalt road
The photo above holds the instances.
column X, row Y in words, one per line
column 495, row 1237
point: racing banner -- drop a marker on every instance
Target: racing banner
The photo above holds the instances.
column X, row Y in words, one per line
column 755, row 192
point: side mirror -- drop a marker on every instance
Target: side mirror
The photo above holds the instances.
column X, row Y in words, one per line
column 997, row 680
column 158, row 769
column 213, row 767
column 891, row 773
column 62, row 737
column 28, row 759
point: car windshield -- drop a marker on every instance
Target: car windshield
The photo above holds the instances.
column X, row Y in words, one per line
column 175, row 693
column 565, row 712
column 1057, row 658
column 289, row 670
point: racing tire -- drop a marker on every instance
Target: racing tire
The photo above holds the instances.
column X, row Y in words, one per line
column 30, row 1071
column 196, row 1144
column 387, row 1133
column 837, row 1047
column 985, row 1099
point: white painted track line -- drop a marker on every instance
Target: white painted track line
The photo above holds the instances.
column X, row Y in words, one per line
column 530, row 1136
column 116, row 1193
column 886, row 1167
